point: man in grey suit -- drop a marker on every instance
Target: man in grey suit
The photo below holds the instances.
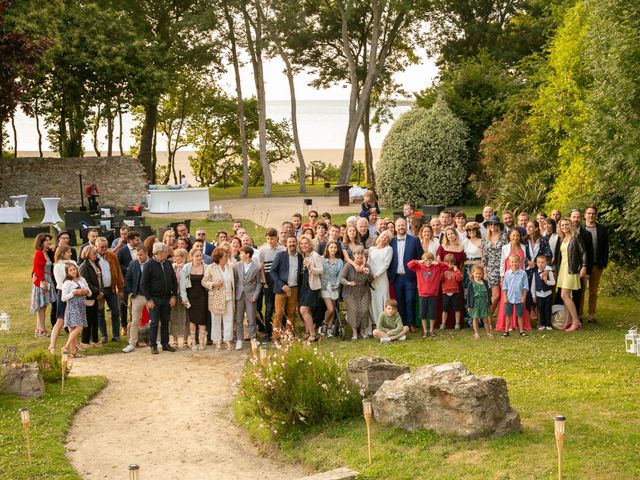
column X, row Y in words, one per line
column 246, row 275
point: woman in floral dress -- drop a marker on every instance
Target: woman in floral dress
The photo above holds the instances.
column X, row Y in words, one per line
column 491, row 251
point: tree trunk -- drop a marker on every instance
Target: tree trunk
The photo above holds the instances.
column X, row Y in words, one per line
column 1, row 140
column 154, row 155
column 369, row 174
column 255, row 51
column 241, row 119
column 109, row 131
column 36, row 113
column 294, row 121
column 120, row 129
column 96, row 126
column 377, row 59
column 146, row 155
column 15, row 135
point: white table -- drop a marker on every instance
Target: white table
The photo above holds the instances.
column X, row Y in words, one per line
column 20, row 201
column 11, row 215
column 179, row 201
column 51, row 210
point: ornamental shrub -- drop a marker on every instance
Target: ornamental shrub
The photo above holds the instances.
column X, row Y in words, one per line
column 424, row 158
column 50, row 366
column 299, row 388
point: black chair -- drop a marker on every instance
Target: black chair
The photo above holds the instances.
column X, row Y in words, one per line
column 137, row 220
column 432, row 209
column 73, row 219
column 112, row 210
column 161, row 230
column 32, row 231
column 145, row 231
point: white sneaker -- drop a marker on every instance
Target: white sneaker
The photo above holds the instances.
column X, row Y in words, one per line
column 548, row 328
column 128, row 349
column 402, row 338
column 385, row 340
column 239, row 345
column 541, row 327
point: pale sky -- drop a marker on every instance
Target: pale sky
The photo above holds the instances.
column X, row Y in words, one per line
column 413, row 79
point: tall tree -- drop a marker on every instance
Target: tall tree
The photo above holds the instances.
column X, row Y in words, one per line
column 252, row 12
column 176, row 33
column 353, row 42
column 286, row 17
column 233, row 52
column 19, row 55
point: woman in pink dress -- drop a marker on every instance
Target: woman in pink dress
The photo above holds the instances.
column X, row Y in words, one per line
column 514, row 246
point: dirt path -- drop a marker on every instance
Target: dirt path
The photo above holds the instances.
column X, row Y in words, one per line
column 270, row 211
column 171, row 414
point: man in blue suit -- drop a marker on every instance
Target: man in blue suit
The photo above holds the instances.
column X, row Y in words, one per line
column 405, row 248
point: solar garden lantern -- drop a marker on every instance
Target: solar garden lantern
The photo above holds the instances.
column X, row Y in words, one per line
column 24, row 416
column 134, row 472
column 5, row 321
column 558, row 427
column 264, row 358
column 367, row 410
column 631, row 340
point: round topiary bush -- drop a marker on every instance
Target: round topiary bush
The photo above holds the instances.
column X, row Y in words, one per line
column 424, row 158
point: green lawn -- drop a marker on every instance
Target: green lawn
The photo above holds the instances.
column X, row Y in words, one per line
column 278, row 190
column 50, row 420
column 586, row 376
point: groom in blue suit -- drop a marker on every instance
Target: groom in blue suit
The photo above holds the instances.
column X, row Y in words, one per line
column 405, row 248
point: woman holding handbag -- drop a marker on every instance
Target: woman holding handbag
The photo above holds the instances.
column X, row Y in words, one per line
column 90, row 271
column 218, row 280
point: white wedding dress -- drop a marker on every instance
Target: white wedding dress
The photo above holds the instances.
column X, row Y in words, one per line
column 379, row 261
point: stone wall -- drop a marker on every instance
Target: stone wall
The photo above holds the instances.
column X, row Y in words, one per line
column 121, row 180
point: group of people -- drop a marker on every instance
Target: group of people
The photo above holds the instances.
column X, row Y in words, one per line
column 390, row 277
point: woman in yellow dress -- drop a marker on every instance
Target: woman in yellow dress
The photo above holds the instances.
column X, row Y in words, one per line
column 571, row 258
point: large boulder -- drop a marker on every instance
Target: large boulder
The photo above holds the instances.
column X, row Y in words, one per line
column 447, row 399
column 372, row 372
column 22, row 380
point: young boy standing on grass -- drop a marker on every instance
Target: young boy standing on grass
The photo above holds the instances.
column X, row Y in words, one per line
column 389, row 325
column 542, row 281
column 515, row 287
column 428, row 273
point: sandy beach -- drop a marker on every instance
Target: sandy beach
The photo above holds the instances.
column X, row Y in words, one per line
column 281, row 173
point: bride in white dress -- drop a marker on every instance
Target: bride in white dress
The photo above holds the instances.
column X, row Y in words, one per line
column 379, row 261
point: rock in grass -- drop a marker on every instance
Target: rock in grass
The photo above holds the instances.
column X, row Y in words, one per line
column 219, row 217
column 372, row 372
column 23, row 380
column 447, row 399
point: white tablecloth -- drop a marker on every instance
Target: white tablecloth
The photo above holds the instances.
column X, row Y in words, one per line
column 51, row 210
column 20, row 201
column 11, row 215
column 356, row 192
column 179, row 201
